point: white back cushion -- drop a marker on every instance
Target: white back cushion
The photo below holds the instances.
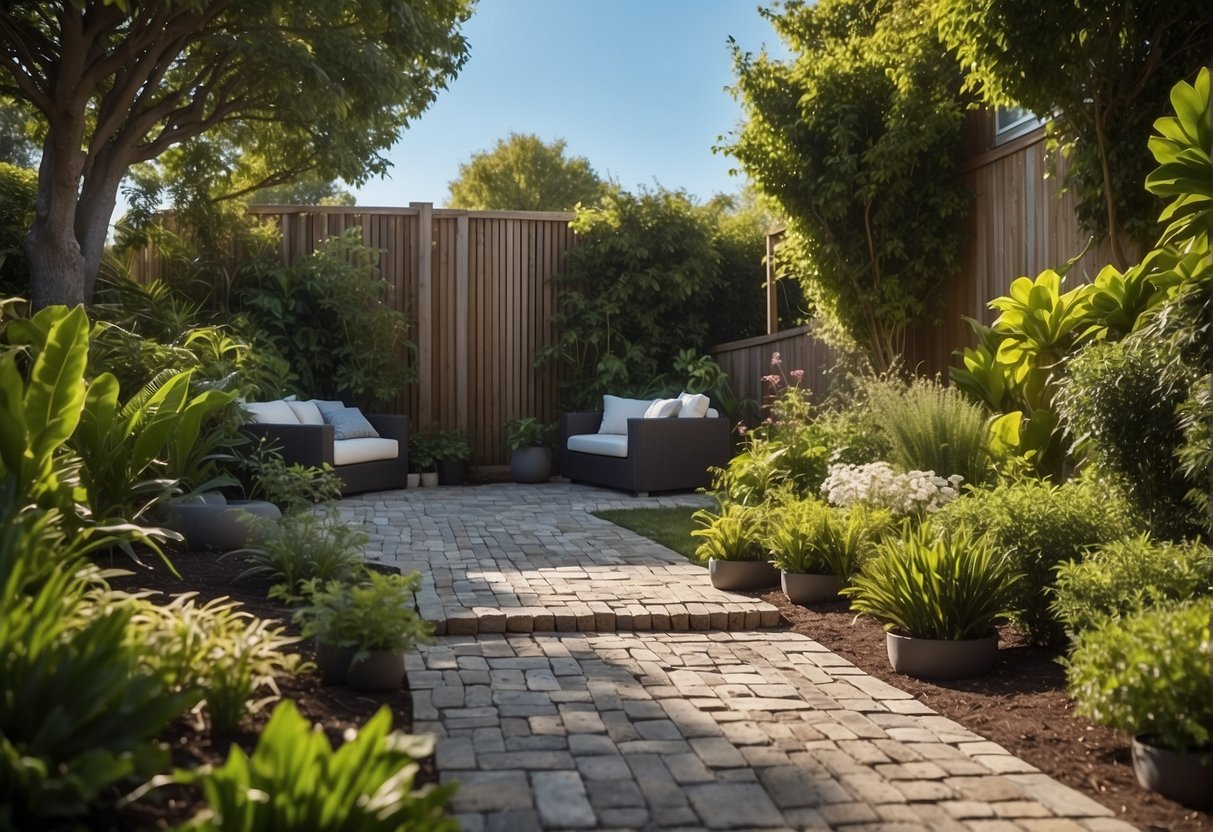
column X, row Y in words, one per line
column 306, row 412
column 663, row 409
column 694, row 406
column 272, row 413
column 616, row 411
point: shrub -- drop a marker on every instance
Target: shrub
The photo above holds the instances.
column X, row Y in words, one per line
column 1040, row 526
column 376, row 613
column 1148, row 674
column 18, row 193
column 934, row 428
column 300, row 548
column 949, row 586
column 733, row 533
column 293, row 487
column 877, row 484
column 1127, row 576
column 295, row 781
column 807, row 536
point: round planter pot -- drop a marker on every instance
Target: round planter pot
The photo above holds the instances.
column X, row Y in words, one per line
column 531, row 464
column 413, row 481
column 928, row 658
column 333, row 662
column 809, row 589
column 211, row 522
column 429, row 479
column 452, row 472
column 377, row 670
column 742, row 575
column 1183, row 776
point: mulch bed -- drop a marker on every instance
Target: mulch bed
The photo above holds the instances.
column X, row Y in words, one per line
column 1022, row 706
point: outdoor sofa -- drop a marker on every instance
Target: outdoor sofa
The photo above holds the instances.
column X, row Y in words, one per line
column 619, row 447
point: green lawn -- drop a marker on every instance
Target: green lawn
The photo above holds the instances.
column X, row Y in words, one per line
column 668, row 526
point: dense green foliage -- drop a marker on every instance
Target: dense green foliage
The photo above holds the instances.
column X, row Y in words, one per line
column 855, row 140
column 373, row 612
column 1148, row 675
column 302, row 548
column 1039, row 526
column 735, row 532
column 1103, row 70
column 1127, row 576
column 808, row 536
column 525, row 173
column 930, row 427
column 18, row 190
column 948, row 586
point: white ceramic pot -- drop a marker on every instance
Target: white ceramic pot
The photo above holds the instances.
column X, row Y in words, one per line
column 429, row 479
column 414, row 481
column 928, row 658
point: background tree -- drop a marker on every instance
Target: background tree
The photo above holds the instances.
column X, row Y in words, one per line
column 855, row 141
column 17, row 146
column 524, row 173
column 120, row 84
column 309, row 191
column 1103, row 69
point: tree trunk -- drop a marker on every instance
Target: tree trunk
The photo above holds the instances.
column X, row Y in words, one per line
column 93, row 213
column 56, row 262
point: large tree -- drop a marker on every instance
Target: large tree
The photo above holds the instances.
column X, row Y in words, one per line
column 1102, row 69
column 854, row 139
column 320, row 87
column 524, row 173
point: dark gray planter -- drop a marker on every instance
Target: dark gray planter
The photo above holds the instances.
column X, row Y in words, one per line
column 333, row 662
column 377, row 670
column 211, row 522
column 806, row 588
column 742, row 575
column 1183, row 776
column 928, row 658
column 531, row 464
column 452, row 472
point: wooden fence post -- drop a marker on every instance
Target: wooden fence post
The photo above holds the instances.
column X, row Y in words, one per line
column 425, row 311
column 462, row 242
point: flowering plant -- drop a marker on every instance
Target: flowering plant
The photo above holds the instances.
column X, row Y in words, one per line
column 789, row 403
column 878, row 484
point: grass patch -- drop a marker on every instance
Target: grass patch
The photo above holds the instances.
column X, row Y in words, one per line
column 671, row 527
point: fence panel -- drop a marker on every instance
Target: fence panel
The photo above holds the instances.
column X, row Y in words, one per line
column 749, row 360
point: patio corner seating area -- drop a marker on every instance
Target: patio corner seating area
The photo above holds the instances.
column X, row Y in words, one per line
column 587, row 678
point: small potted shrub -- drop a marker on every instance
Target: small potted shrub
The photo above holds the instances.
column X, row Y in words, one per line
column 732, row 546
column 530, row 457
column 421, row 460
column 368, row 625
column 818, row 549
column 452, row 451
column 938, row 597
column 1148, row 675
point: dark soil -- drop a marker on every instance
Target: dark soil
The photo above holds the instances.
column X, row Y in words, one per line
column 1022, row 706
column 336, row 707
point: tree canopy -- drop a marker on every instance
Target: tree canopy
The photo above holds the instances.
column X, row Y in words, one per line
column 854, row 141
column 1103, row 69
column 319, row 88
column 524, row 173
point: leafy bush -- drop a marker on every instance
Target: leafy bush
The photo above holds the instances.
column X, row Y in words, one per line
column 292, row 487
column 295, row 781
column 1040, row 526
column 1125, row 421
column 934, row 428
column 214, row 649
column 733, row 533
column 807, row 536
column 1126, row 576
column 300, row 548
column 527, row 432
column 949, row 586
column 18, row 192
column 374, row 613
column 1148, row 674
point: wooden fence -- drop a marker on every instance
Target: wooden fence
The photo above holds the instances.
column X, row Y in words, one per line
column 749, row 360
column 475, row 285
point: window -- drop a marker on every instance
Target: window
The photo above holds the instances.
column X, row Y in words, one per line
column 1013, row 122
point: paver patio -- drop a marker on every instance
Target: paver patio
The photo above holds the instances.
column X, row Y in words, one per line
column 713, row 725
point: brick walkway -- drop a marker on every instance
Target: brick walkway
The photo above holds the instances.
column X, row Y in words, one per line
column 700, row 727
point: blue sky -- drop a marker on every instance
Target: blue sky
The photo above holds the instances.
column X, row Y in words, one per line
column 635, row 86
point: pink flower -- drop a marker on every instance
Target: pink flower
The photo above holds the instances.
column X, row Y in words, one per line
column 772, row 380
column 775, row 359
column 797, row 374
column 741, row 430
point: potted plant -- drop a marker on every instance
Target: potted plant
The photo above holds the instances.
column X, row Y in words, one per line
column 1148, row 675
column 363, row 629
column 938, row 596
column 818, row 549
column 421, row 460
column 732, row 545
column 530, row 457
column 452, row 450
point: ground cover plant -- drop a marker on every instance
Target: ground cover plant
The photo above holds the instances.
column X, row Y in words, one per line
column 671, row 527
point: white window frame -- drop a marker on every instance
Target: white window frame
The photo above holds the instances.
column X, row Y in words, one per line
column 1019, row 122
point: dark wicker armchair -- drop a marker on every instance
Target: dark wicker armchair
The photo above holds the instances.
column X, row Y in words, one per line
column 663, row 454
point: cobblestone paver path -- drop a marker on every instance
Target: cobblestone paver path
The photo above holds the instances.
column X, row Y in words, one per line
column 694, row 720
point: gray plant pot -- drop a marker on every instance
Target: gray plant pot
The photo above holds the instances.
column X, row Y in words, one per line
column 531, row 464
column 377, row 670
column 333, row 662
column 452, row 472
column 742, row 575
column 413, row 481
column 211, row 522
column 804, row 588
column 928, row 658
column 429, row 479
column 1183, row 776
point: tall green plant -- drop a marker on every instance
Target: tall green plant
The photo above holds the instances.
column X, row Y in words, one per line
column 934, row 428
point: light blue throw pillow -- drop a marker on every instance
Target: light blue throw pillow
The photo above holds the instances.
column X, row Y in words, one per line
column 349, row 423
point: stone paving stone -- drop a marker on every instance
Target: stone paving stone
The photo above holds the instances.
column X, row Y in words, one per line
column 734, row 806
column 560, row 797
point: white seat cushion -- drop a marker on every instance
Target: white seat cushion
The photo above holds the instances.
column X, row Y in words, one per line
column 272, row 413
column 603, row 444
column 306, row 412
column 616, row 411
column 350, row 451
